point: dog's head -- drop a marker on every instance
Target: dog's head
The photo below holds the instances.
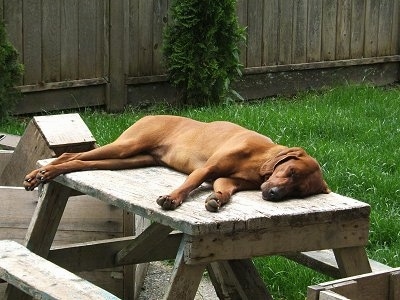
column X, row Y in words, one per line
column 292, row 174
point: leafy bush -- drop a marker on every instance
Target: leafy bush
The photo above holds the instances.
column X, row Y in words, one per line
column 10, row 73
column 201, row 49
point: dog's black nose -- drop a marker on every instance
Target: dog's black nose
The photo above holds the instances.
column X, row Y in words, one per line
column 272, row 194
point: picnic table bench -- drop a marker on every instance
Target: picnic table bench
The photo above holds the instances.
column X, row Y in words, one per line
column 222, row 242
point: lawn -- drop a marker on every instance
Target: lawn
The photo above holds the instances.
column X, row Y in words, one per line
column 353, row 131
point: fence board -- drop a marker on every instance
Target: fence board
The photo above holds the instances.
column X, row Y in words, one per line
column 145, row 40
column 299, row 52
column 51, row 41
column 395, row 48
column 134, row 37
column 241, row 8
column 69, row 40
column 357, row 28
column 385, row 26
column 285, row 31
column 329, row 14
column 32, row 41
column 87, row 38
column 159, row 21
column 371, row 28
column 270, row 34
column 254, row 32
column 343, row 29
column 314, row 35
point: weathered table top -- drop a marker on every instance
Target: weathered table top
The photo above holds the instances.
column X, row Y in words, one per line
column 247, row 210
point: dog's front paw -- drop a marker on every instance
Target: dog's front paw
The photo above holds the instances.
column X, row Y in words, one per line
column 167, row 202
column 212, row 203
column 31, row 180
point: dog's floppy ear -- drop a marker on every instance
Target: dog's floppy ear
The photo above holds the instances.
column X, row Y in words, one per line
column 290, row 153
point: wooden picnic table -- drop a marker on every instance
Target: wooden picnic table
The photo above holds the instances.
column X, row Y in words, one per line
column 222, row 242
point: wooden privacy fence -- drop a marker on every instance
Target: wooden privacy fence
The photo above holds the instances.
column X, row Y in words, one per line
column 108, row 52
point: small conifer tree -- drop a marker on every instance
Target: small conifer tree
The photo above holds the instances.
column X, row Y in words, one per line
column 10, row 74
column 201, row 50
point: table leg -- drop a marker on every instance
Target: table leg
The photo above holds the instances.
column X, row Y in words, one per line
column 185, row 278
column 352, row 261
column 237, row 279
column 43, row 227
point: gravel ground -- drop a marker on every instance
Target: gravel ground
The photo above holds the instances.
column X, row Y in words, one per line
column 156, row 283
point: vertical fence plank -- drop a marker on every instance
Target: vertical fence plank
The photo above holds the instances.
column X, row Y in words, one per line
column 12, row 11
column 32, row 41
column 241, row 9
column 357, row 28
column 87, row 38
column 385, row 26
column 254, row 32
column 134, row 37
column 285, row 31
column 329, row 16
column 69, row 40
column 159, row 21
column 145, row 40
column 100, row 41
column 314, row 30
column 299, row 53
column 270, row 32
column 51, row 40
column 343, row 29
column 371, row 28
column 116, row 98
column 395, row 49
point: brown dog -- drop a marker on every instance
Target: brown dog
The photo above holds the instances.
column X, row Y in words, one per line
column 233, row 157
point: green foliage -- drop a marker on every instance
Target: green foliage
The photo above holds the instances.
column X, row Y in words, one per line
column 201, row 49
column 10, row 73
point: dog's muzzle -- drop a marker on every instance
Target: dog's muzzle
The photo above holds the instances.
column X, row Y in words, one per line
column 273, row 194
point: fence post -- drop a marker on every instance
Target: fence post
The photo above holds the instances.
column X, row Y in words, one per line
column 117, row 91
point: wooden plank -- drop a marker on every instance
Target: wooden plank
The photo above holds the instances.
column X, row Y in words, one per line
column 241, row 10
column 352, row 261
column 32, row 42
column 385, row 27
column 61, row 85
column 116, row 98
column 343, row 33
column 80, row 256
column 151, row 237
column 5, row 157
column 299, row 53
column 19, row 165
column 328, row 295
column 160, row 12
column 254, row 33
column 371, row 28
column 325, row 262
column 69, row 40
column 394, row 292
column 285, row 31
column 185, row 279
column 270, row 34
column 395, row 29
column 329, row 17
column 87, row 38
column 51, row 40
column 134, row 32
column 101, row 9
column 145, row 38
column 41, row 278
column 237, row 279
column 357, row 28
column 9, row 141
column 314, row 30
column 63, row 132
column 61, row 99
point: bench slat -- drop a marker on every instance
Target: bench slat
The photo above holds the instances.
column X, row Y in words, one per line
column 42, row 279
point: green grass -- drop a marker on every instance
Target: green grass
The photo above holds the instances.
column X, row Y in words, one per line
column 353, row 131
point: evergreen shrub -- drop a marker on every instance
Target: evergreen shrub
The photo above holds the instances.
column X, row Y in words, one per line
column 201, row 50
column 10, row 73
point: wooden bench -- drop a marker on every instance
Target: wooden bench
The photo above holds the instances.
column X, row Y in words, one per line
column 42, row 279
